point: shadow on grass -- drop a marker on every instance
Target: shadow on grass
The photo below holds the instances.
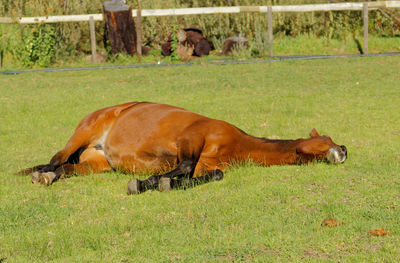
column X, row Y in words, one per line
column 359, row 47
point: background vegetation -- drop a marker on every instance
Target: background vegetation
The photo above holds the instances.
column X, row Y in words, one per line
column 255, row 214
column 66, row 41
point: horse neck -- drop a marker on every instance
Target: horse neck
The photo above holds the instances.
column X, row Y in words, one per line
column 268, row 152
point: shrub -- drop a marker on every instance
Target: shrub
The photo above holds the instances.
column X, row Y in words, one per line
column 39, row 46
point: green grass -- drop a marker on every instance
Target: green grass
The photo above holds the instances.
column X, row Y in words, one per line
column 308, row 45
column 283, row 46
column 255, row 214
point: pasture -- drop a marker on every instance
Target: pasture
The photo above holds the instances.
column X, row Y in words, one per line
column 254, row 214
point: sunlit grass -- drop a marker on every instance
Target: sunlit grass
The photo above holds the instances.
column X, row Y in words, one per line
column 283, row 46
column 309, row 45
column 254, row 214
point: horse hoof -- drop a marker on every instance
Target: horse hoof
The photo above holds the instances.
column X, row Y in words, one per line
column 218, row 175
column 133, row 187
column 43, row 178
column 35, row 178
column 165, row 184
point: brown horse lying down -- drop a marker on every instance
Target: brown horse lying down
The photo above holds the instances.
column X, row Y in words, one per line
column 151, row 137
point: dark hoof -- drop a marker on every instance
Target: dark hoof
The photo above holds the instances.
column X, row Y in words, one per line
column 218, row 175
column 165, row 184
column 43, row 178
column 186, row 183
column 35, row 178
column 134, row 187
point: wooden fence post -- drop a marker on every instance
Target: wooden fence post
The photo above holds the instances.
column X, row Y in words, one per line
column 92, row 39
column 120, row 27
column 139, row 34
column 270, row 32
column 365, row 18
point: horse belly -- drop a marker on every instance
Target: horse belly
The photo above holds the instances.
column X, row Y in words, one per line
column 145, row 138
column 139, row 150
column 133, row 156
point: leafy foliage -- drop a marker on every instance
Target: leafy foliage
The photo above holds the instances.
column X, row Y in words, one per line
column 174, row 43
column 39, row 46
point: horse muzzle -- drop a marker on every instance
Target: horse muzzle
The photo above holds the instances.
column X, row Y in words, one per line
column 337, row 154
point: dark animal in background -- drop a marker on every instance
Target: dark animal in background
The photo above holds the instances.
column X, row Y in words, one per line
column 232, row 43
column 151, row 137
column 191, row 37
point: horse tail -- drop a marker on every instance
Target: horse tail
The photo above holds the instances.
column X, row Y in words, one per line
column 30, row 170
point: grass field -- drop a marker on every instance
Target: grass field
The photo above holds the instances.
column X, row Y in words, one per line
column 255, row 214
column 283, row 46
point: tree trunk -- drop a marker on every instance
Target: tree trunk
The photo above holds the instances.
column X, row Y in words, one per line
column 120, row 27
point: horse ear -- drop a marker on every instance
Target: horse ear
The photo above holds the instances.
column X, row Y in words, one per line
column 314, row 133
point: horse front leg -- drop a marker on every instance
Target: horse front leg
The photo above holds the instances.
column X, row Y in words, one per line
column 184, row 169
column 190, row 182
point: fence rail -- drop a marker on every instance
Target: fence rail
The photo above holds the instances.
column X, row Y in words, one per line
column 208, row 10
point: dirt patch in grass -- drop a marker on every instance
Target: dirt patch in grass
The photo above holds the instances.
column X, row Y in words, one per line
column 330, row 222
column 379, row 232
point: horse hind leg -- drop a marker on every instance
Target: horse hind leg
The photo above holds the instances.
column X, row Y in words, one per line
column 90, row 161
column 73, row 158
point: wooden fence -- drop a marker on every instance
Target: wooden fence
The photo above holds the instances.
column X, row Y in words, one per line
column 269, row 10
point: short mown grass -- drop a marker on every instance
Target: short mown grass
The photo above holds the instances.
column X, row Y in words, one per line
column 255, row 214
